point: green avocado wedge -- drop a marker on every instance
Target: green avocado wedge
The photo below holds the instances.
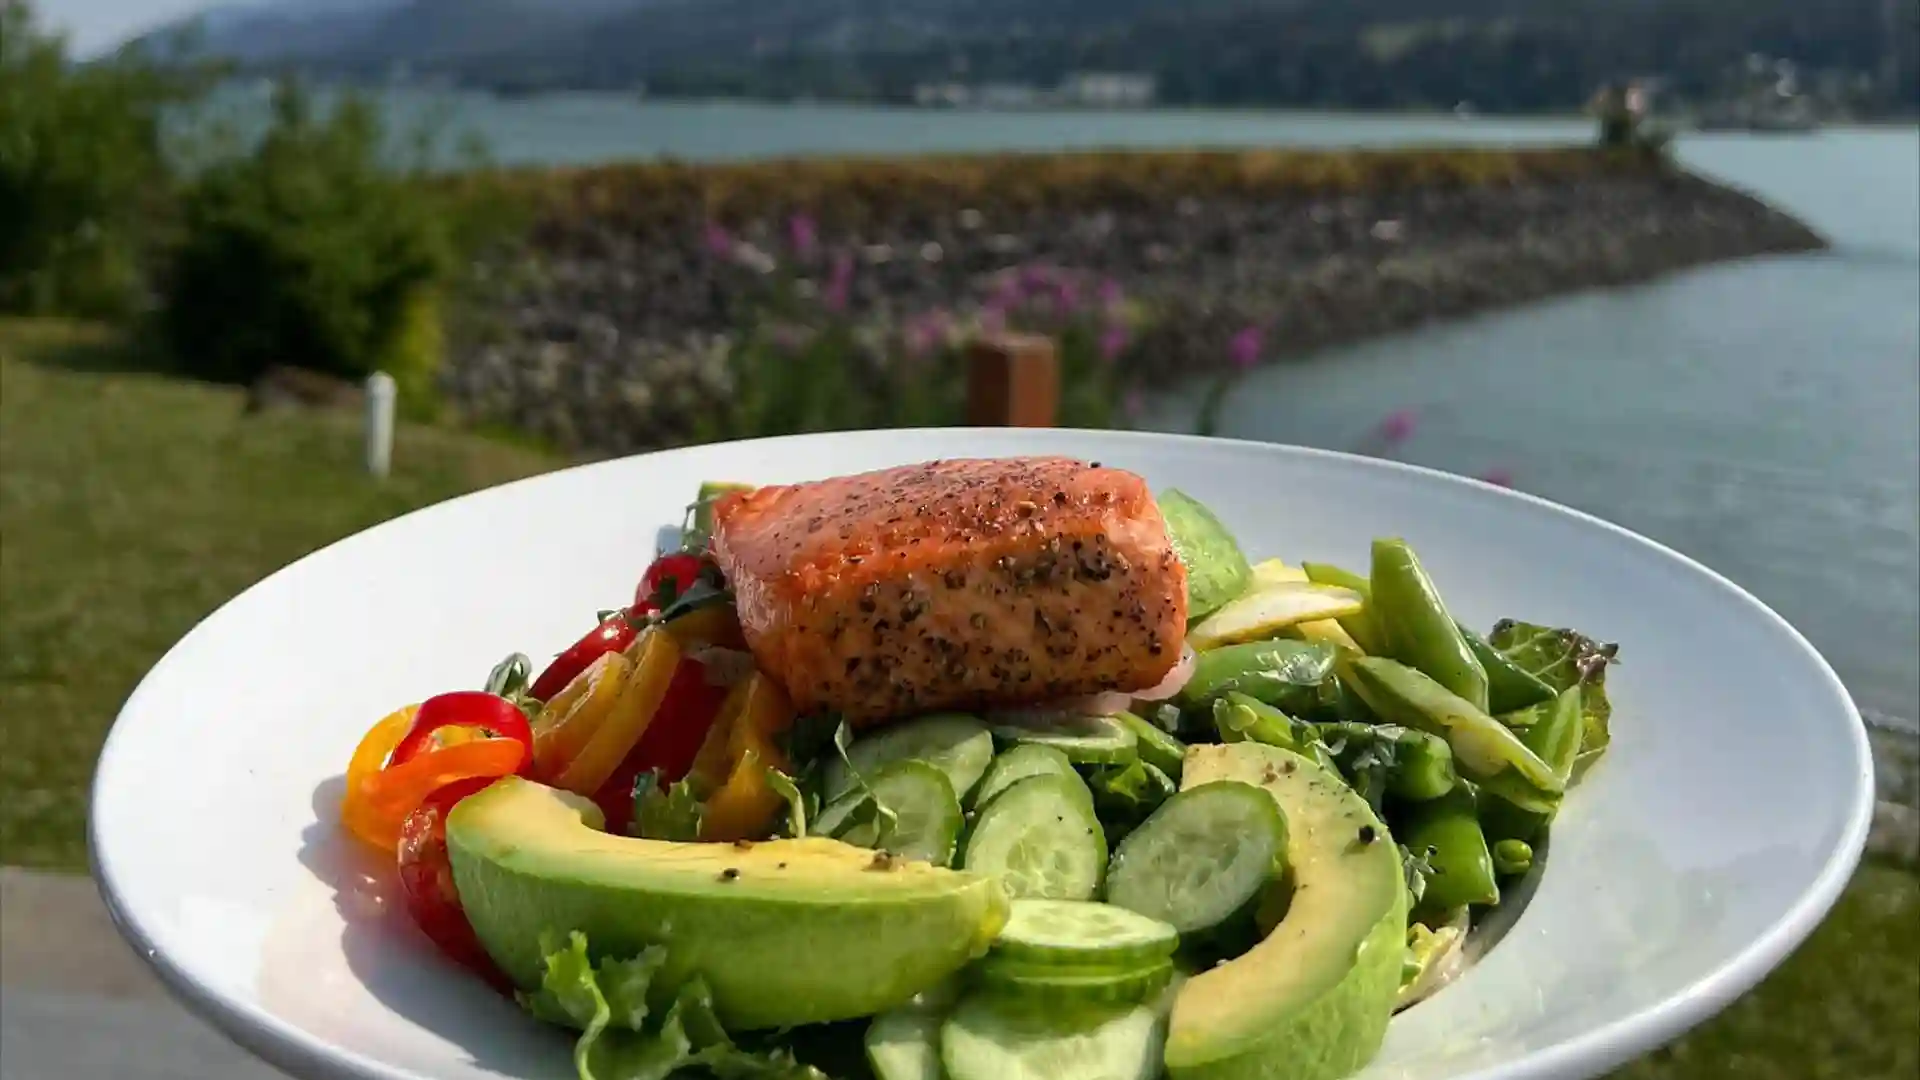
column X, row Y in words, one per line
column 1217, row 571
column 1312, row 1000
column 785, row 933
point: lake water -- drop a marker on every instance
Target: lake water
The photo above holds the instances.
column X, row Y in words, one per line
column 1761, row 416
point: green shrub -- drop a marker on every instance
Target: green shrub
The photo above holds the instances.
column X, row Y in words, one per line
column 312, row 251
column 84, row 184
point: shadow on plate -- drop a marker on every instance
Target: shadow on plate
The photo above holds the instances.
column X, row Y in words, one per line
column 381, row 955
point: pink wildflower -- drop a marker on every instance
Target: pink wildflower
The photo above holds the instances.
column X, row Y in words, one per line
column 1113, row 341
column 839, row 283
column 804, row 233
column 1244, row 349
column 1398, row 425
column 719, row 241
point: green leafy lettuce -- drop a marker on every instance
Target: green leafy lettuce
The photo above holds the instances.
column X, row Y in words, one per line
column 1562, row 658
column 813, row 744
column 633, row 1029
column 672, row 812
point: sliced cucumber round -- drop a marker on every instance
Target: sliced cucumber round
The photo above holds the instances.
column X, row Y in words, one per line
column 956, row 744
column 1041, row 839
column 1078, row 933
column 1017, row 764
column 926, row 815
column 1201, row 859
column 1074, row 987
column 1086, row 740
column 905, row 1045
column 987, row 1039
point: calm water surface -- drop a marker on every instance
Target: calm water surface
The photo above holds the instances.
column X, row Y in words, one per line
column 1763, row 417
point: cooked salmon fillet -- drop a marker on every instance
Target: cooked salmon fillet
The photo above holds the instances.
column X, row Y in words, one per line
column 954, row 585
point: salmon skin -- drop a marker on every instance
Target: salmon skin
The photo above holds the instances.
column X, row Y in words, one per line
column 954, row 585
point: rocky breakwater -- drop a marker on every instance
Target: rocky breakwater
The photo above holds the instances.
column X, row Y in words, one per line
column 619, row 317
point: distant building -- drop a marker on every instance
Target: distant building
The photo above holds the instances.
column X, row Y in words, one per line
column 1108, row 90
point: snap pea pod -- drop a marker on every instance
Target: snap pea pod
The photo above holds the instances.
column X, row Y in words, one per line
column 1361, row 627
column 1421, row 764
column 1512, row 857
column 1415, row 627
column 1240, row 718
column 1284, row 673
column 1448, row 831
column 1483, row 748
column 1555, row 740
column 1510, row 687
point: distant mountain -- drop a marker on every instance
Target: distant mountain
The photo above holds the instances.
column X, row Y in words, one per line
column 1496, row 54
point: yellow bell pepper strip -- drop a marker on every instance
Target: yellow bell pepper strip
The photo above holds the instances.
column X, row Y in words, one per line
column 715, row 624
column 568, row 722
column 656, row 656
column 368, row 758
column 744, row 807
column 379, row 796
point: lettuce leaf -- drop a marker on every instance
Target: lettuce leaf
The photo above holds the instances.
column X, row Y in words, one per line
column 669, row 813
column 1561, row 658
column 610, row 1002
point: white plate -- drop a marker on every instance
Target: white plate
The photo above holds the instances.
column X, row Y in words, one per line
column 1705, row 846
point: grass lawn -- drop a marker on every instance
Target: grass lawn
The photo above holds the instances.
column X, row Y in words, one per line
column 131, row 505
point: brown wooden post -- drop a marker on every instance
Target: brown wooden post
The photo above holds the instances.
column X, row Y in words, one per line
column 1013, row 380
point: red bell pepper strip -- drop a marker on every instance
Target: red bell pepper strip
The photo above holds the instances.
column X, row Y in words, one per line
column 468, row 709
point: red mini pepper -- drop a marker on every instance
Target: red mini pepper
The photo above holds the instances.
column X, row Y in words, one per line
column 426, row 878
column 679, row 570
column 673, row 738
column 614, row 634
column 464, row 709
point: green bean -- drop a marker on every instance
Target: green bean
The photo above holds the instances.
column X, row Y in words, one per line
column 1361, row 627
column 1285, row 674
column 1483, row 748
column 1415, row 627
column 1448, row 830
column 1510, row 687
column 1420, row 765
column 1512, row 857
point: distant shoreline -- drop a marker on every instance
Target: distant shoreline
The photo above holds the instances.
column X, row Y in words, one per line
column 603, row 332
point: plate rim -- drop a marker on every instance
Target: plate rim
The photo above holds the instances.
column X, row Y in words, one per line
column 1590, row 1053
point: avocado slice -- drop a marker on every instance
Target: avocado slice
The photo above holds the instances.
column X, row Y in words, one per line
column 1312, row 1000
column 785, row 933
column 1217, row 571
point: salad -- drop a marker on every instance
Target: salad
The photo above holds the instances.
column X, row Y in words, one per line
column 1002, row 769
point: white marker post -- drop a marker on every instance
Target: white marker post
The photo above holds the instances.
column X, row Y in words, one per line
column 381, row 393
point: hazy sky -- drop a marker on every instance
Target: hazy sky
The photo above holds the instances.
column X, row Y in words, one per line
column 93, row 25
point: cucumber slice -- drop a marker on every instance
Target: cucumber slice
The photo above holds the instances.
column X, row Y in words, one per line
column 1016, row 765
column 987, row 1040
column 905, row 1045
column 1086, row 740
column 1204, row 857
column 1074, row 987
column 954, row 743
column 1155, row 747
column 1041, row 839
column 926, row 815
column 1072, row 933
